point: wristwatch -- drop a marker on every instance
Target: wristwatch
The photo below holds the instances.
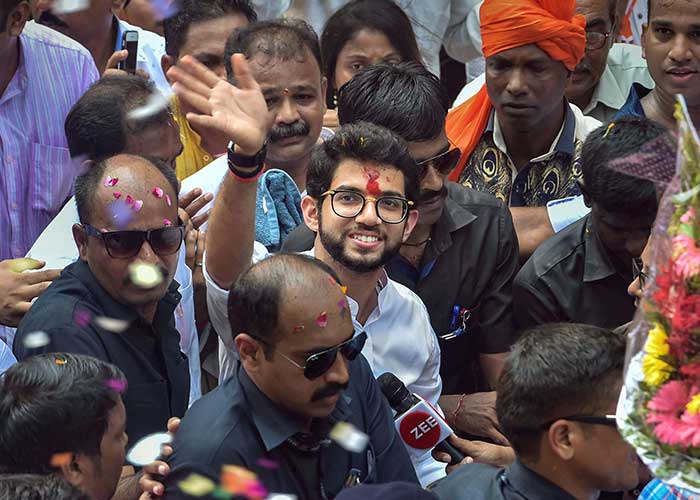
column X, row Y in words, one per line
column 236, row 160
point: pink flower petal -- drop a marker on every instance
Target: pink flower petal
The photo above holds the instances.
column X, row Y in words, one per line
column 117, row 194
column 111, row 181
column 167, row 200
column 322, row 319
column 157, row 192
column 138, row 204
column 116, row 384
column 167, row 222
column 129, row 200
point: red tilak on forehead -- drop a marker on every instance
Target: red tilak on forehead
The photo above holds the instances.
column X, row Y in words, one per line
column 372, row 184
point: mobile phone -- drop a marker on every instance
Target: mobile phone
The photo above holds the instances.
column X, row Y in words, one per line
column 130, row 42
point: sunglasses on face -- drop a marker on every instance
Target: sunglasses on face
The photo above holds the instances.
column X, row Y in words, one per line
column 444, row 162
column 319, row 363
column 127, row 244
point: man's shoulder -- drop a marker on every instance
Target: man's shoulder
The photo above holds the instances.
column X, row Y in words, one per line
column 584, row 124
column 471, row 199
column 41, row 38
column 626, row 56
column 471, row 482
column 551, row 257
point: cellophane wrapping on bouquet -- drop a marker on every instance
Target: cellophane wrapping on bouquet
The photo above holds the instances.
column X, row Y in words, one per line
column 659, row 410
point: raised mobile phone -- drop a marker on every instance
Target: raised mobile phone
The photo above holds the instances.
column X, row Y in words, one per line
column 130, row 42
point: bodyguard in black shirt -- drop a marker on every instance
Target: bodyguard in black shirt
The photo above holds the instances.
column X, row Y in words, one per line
column 300, row 373
column 556, row 404
column 124, row 220
column 581, row 274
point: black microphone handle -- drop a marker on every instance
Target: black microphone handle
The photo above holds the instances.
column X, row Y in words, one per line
column 456, row 455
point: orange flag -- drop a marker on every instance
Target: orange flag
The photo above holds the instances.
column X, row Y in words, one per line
column 505, row 25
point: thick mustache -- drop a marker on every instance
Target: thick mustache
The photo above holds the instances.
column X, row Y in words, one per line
column 284, row 131
column 48, row 18
column 329, row 390
column 431, row 195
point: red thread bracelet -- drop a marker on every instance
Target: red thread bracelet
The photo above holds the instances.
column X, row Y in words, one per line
column 459, row 406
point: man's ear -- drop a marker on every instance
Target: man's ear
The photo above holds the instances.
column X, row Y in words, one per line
column 324, row 90
column 562, row 438
column 249, row 351
column 81, row 240
column 586, row 196
column 166, row 62
column 310, row 209
column 17, row 18
column 74, row 471
column 411, row 222
column 645, row 33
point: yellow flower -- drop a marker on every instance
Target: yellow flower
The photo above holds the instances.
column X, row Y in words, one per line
column 656, row 371
column 693, row 405
column 657, row 345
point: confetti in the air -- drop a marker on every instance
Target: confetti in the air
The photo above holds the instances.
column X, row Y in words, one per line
column 344, row 288
column 35, row 340
column 121, row 213
column 348, row 437
column 137, row 205
column 241, row 481
column 196, row 485
column 111, row 324
column 82, row 317
column 148, row 449
column 167, row 200
column 145, row 275
column 117, row 194
column 164, row 8
column 60, row 361
column 111, row 181
column 342, row 304
column 267, row 463
column 155, row 103
column 281, row 496
column 157, row 192
column 116, row 384
column 61, row 459
column 322, row 319
column 167, row 222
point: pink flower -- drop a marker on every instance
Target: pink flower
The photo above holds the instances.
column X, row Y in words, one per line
column 689, row 216
column 687, row 262
column 690, row 430
column 668, row 431
column 670, row 399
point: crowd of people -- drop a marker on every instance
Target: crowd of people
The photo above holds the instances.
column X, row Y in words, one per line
column 216, row 249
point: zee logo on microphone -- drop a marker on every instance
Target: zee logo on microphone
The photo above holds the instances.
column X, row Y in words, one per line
column 420, row 430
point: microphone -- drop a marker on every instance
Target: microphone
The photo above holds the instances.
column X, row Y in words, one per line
column 420, row 426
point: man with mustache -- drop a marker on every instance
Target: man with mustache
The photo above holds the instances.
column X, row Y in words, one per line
column 463, row 251
column 117, row 301
column 297, row 378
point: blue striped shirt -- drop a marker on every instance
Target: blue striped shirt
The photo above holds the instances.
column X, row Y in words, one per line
column 37, row 172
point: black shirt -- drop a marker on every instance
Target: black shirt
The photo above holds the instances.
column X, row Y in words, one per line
column 470, row 262
column 570, row 278
column 236, row 424
column 148, row 354
column 485, row 482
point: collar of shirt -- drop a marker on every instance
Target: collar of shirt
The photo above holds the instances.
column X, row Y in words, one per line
column 633, row 105
column 19, row 81
column 529, row 484
column 113, row 309
column 454, row 217
column 564, row 142
column 597, row 266
column 274, row 424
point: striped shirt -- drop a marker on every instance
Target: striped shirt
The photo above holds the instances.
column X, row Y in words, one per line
column 36, row 172
column 658, row 490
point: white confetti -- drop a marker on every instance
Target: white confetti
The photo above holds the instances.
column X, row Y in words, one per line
column 148, row 449
column 69, row 6
column 156, row 103
column 348, row 437
column 36, row 340
column 281, row 496
column 111, row 324
column 145, row 275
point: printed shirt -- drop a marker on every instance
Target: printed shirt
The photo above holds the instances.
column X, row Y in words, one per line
column 37, row 171
column 193, row 157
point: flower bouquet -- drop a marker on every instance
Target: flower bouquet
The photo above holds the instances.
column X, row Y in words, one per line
column 659, row 411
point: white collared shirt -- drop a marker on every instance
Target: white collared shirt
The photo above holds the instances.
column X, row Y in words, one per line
column 400, row 340
column 56, row 247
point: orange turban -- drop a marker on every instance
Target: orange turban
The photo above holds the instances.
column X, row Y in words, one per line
column 505, row 25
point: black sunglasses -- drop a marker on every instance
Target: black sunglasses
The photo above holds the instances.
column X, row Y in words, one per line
column 444, row 162
column 319, row 363
column 609, row 420
column 127, row 244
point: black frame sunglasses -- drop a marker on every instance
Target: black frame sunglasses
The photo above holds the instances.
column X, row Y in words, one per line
column 444, row 162
column 127, row 244
column 320, row 362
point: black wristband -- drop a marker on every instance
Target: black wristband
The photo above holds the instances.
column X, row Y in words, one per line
column 236, row 160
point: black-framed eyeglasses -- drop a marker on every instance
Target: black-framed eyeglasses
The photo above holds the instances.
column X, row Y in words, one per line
column 349, row 204
column 444, row 162
column 596, row 40
column 638, row 272
column 609, row 420
column 320, row 362
column 127, row 244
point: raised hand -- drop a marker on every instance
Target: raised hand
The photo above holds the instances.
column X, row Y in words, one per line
column 238, row 111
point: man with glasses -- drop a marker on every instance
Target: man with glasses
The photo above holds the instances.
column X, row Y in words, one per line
column 298, row 377
column 116, row 302
column 556, row 403
column 583, row 272
column 362, row 187
column 462, row 255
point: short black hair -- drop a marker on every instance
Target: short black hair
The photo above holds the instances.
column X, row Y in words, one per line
column 610, row 188
column 38, row 487
column 175, row 28
column 281, row 39
column 7, row 6
column 383, row 16
column 86, row 184
column 363, row 142
column 418, row 102
column 553, row 371
column 54, row 403
column 254, row 299
column 97, row 125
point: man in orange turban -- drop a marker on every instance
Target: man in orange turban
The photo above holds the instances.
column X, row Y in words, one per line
column 519, row 137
